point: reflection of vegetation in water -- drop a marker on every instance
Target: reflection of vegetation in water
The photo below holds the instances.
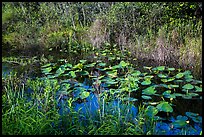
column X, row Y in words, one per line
column 101, row 54
column 155, row 89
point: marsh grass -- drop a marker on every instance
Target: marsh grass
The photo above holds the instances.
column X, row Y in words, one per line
column 32, row 108
column 39, row 115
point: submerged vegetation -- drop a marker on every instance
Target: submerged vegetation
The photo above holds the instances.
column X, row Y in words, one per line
column 101, row 68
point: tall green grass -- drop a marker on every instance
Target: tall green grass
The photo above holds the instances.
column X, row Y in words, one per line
column 21, row 116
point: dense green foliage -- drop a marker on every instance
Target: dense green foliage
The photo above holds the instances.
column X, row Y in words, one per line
column 128, row 54
column 151, row 30
column 154, row 90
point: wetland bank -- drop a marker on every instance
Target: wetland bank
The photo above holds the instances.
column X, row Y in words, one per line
column 101, row 68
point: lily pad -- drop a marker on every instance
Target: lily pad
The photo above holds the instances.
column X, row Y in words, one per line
column 188, row 86
column 165, row 93
column 191, row 114
column 179, row 75
column 164, row 106
column 179, row 123
column 60, row 70
column 112, row 73
column 148, row 77
column 149, row 91
column 78, row 66
column 178, row 94
column 151, row 111
column 91, row 65
column 186, row 96
column 162, row 75
column 160, row 68
column 146, row 82
column 173, row 86
column 164, row 85
column 129, row 99
column 198, row 89
column 194, row 116
column 179, row 117
column 72, row 73
column 84, row 94
column 123, row 63
column 136, row 73
column 170, row 69
column 46, row 70
column 164, row 80
column 82, row 61
column 102, row 64
column 146, row 97
column 84, row 73
column 68, row 65
column 187, row 72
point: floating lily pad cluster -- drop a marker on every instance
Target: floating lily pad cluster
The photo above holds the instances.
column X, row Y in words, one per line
column 160, row 84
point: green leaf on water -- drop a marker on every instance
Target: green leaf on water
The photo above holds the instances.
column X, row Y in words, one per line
column 179, row 117
column 84, row 73
column 116, row 66
column 178, row 81
column 193, row 94
column 136, row 73
column 178, row 94
column 84, row 94
column 162, row 75
column 166, row 93
column 145, row 67
column 160, row 68
column 170, row 96
column 179, row 123
column 123, row 63
column 198, row 89
column 164, row 85
column 170, row 69
column 187, row 72
column 191, row 114
column 102, row 64
column 68, row 65
column 60, row 70
column 112, row 73
column 78, row 66
column 179, row 75
column 189, row 80
column 194, row 116
column 51, row 76
column 91, row 65
column 149, row 91
column 146, row 82
column 129, row 99
column 46, row 70
column 148, row 77
column 82, row 61
column 186, row 96
column 164, row 106
column 72, row 73
column 170, row 79
column 188, row 86
column 146, row 97
column 164, row 80
column 197, row 119
column 151, row 111
column 46, row 65
column 173, row 86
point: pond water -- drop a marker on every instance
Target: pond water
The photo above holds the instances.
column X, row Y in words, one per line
column 91, row 106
